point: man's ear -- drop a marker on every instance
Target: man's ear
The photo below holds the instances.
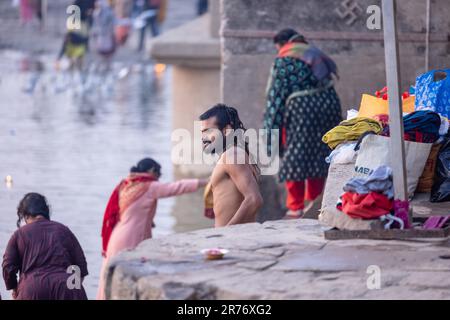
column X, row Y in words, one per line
column 227, row 127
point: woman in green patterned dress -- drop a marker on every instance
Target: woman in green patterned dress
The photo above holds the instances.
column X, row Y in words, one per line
column 303, row 104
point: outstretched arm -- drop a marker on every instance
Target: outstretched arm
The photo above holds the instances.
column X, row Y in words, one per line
column 243, row 178
column 164, row 190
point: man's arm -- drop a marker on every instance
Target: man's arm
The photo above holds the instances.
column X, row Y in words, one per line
column 243, row 178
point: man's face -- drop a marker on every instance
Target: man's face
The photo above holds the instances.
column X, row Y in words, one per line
column 210, row 135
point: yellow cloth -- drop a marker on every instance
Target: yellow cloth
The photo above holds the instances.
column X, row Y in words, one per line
column 208, row 196
column 208, row 201
column 350, row 130
column 75, row 51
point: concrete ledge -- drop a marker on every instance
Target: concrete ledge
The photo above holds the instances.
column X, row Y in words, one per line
column 279, row 260
column 190, row 45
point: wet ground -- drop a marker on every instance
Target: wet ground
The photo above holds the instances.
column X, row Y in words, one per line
column 74, row 143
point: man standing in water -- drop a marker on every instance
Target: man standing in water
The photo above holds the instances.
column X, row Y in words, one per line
column 236, row 196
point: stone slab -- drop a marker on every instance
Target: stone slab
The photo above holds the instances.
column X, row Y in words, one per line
column 279, row 260
column 190, row 45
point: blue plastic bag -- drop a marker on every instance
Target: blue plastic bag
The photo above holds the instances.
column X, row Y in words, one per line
column 433, row 91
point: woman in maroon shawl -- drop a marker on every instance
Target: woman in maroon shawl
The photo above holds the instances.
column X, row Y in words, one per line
column 46, row 254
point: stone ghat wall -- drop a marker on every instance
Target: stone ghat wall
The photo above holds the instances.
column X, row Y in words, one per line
column 339, row 28
column 279, row 260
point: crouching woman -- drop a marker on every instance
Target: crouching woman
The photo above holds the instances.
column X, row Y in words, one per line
column 46, row 255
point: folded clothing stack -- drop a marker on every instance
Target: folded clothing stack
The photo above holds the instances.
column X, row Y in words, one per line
column 369, row 198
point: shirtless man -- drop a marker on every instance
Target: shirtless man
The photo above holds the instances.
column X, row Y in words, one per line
column 234, row 182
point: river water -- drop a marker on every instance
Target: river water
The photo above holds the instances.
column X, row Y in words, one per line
column 75, row 145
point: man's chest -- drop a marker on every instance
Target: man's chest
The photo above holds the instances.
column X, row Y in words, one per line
column 218, row 175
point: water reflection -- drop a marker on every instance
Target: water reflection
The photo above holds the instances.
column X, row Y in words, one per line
column 73, row 141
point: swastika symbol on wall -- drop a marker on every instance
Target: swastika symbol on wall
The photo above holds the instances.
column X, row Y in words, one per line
column 349, row 10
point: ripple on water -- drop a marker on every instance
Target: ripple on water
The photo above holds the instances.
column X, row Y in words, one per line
column 74, row 148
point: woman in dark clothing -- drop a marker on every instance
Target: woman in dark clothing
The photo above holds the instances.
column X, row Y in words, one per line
column 46, row 254
column 154, row 20
column 303, row 105
column 86, row 10
column 76, row 40
column 202, row 7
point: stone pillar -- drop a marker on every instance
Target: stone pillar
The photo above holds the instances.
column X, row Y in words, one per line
column 214, row 11
column 193, row 51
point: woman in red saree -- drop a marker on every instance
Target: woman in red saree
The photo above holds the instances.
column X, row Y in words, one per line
column 131, row 208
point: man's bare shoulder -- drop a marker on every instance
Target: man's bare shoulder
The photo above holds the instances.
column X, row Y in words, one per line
column 234, row 155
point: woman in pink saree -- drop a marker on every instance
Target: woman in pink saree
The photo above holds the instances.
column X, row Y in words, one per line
column 131, row 208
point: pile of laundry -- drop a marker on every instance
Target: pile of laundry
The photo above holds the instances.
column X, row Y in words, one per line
column 419, row 126
column 371, row 198
column 423, row 123
column 360, row 150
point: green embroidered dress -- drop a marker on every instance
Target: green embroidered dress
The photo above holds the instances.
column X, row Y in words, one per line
column 307, row 109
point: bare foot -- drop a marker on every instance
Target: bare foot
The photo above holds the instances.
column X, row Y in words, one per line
column 309, row 206
column 294, row 214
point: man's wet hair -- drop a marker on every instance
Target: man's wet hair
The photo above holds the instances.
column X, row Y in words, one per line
column 32, row 205
column 288, row 35
column 224, row 115
column 146, row 165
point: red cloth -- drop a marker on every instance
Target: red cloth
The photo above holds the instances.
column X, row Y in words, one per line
column 121, row 34
column 209, row 213
column 297, row 193
column 366, row 206
column 112, row 211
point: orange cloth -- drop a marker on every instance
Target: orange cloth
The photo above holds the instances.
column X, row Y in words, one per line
column 371, row 106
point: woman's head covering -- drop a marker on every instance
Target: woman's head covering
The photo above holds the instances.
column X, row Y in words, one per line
column 288, row 35
column 293, row 44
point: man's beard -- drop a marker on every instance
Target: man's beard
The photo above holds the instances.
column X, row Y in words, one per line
column 215, row 147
